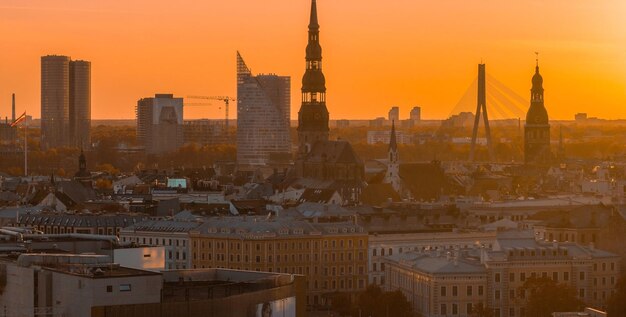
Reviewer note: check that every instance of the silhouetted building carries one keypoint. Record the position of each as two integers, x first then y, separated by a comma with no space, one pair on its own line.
377,123
80,104
342,124
8,134
416,114
160,123
393,166
333,162
582,116
205,132
537,127
263,115
83,176
394,114
65,102
55,101
460,120
313,115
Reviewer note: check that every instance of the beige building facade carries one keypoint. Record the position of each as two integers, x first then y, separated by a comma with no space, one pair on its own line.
443,283
332,256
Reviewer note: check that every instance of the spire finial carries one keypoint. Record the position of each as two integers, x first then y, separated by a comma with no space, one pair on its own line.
537,61
313,20
393,144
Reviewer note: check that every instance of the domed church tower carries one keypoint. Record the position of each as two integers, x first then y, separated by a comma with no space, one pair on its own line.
537,127
313,115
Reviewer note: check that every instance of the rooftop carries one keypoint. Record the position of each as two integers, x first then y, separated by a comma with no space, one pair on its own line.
85,265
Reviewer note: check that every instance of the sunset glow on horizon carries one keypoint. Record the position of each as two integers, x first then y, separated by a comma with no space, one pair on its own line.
377,54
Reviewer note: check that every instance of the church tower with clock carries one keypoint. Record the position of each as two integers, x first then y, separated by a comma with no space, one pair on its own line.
537,127
323,164
313,116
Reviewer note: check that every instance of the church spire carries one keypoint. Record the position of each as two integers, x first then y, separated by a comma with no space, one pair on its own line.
313,115
393,144
82,162
537,127
313,20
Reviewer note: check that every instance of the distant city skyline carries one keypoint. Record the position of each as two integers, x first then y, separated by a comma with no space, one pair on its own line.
404,53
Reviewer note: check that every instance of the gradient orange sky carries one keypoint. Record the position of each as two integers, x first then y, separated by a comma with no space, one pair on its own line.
376,53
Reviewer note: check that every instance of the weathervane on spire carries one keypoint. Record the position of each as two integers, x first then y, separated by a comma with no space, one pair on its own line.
537,58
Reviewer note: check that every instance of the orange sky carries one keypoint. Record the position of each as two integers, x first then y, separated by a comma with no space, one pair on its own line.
376,53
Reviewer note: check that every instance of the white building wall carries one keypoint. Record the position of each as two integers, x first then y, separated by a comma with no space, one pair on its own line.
176,246
74,296
17,296
147,258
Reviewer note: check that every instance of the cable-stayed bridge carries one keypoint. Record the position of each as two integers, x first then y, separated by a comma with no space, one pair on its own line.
502,101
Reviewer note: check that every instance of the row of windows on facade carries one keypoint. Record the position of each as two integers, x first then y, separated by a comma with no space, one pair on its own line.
334,270
555,275
454,309
277,245
62,230
150,241
423,248
563,237
469,291
534,253
179,255
341,283
521,293
301,271
302,257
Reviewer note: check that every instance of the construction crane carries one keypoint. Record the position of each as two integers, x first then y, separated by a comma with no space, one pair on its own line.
226,101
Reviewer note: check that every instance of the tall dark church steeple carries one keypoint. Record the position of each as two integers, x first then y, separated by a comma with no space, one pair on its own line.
313,115
537,127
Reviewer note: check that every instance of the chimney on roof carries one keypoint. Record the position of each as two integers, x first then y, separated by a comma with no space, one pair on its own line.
592,246
13,107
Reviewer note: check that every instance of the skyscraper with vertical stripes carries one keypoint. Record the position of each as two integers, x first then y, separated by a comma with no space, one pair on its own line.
65,102
263,116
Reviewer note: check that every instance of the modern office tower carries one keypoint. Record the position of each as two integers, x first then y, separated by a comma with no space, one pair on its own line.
394,114
55,101
80,103
160,123
416,114
537,127
65,102
263,116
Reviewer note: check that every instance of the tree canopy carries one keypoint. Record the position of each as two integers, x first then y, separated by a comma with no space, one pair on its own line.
546,296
